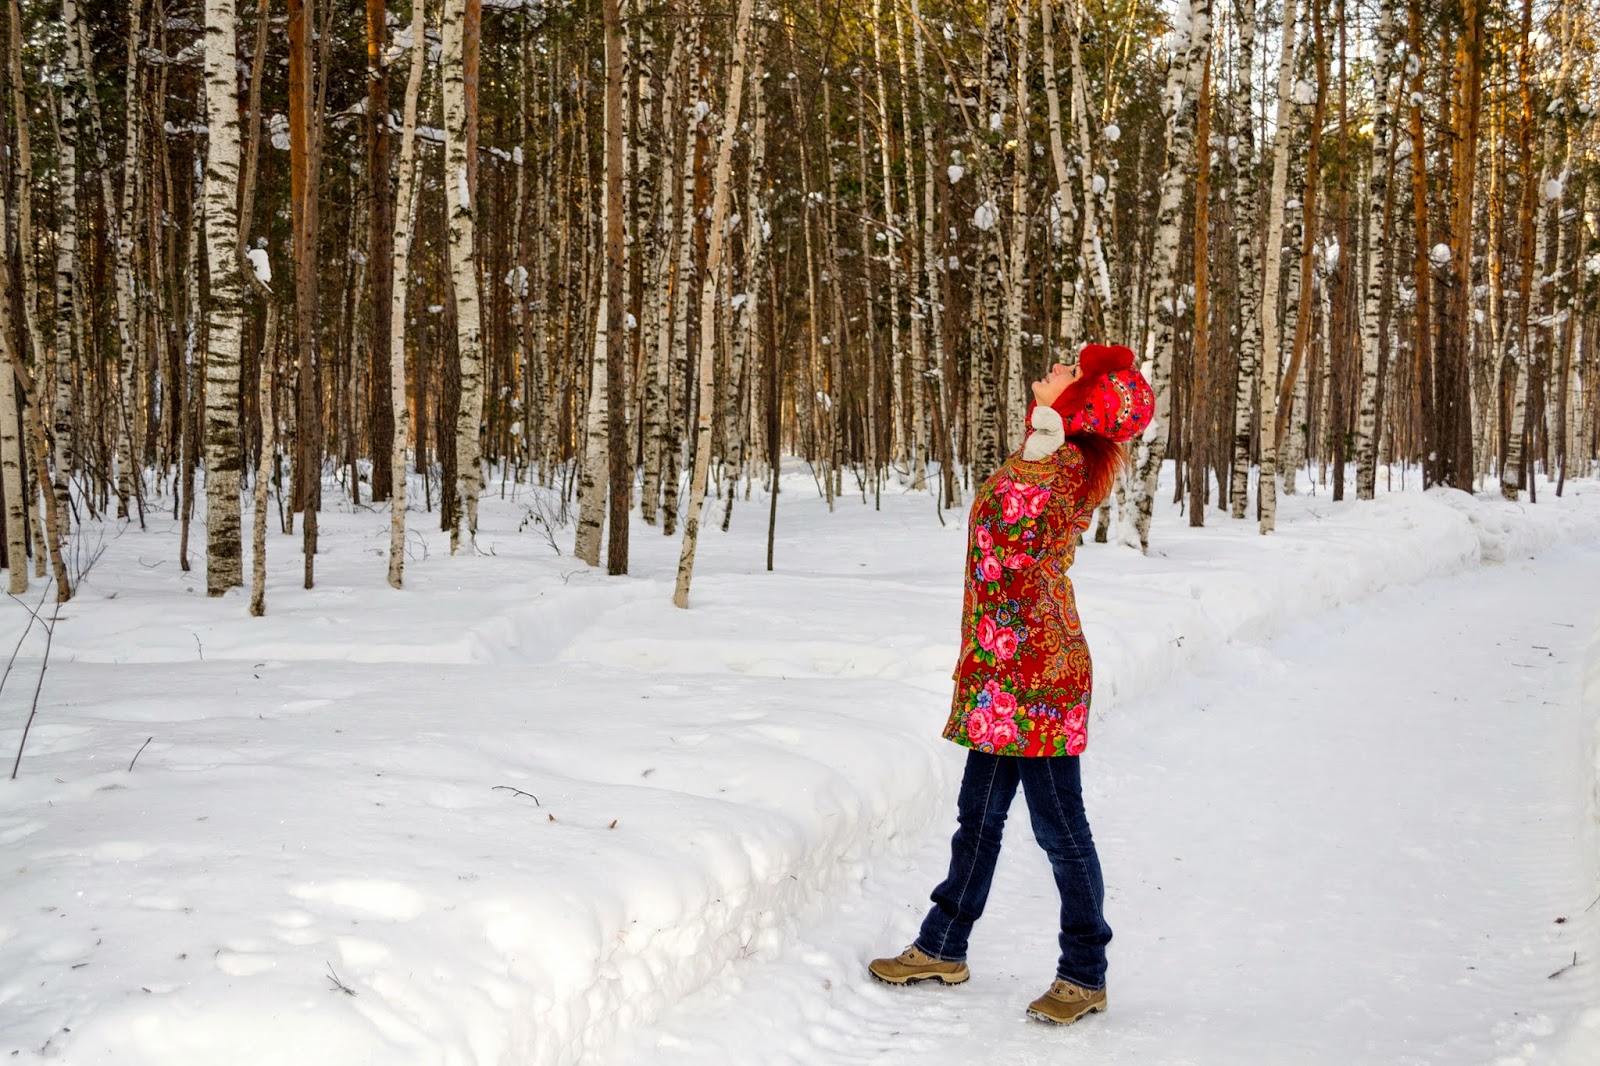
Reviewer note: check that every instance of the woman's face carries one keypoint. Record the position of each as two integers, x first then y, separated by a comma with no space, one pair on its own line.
1054,383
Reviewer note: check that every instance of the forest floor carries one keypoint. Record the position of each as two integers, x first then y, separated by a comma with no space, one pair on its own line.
524,813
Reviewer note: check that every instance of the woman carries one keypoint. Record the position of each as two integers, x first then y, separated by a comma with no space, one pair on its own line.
1022,684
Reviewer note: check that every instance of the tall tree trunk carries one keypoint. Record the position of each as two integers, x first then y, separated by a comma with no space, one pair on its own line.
1450,449
225,308
721,180
661,286
1246,206
1271,335
380,413
72,90
404,223
1182,96
620,490
303,165
1378,164
1200,354
459,37
11,446
748,316
1094,253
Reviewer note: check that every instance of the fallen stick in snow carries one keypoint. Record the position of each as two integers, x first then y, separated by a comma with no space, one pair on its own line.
138,753
1565,968
340,985
519,792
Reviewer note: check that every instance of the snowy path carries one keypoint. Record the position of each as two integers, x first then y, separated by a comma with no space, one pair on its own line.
1352,844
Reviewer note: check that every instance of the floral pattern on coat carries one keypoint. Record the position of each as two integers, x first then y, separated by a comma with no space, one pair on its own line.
1023,682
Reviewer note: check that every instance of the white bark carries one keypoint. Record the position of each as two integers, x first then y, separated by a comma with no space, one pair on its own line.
11,480
592,481
400,243
1247,208
463,274
1182,97
1016,276
1271,338
708,304
225,309
1094,257
1376,238
66,269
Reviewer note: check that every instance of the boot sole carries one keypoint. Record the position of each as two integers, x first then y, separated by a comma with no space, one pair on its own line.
1042,1017
917,979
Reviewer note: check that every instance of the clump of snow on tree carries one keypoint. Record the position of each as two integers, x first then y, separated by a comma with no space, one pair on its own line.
986,216
1440,254
1112,133
260,264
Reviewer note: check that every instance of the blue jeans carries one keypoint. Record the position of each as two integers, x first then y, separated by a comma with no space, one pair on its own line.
1055,804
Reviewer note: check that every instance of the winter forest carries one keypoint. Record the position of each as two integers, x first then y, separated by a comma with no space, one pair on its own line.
641,251
486,486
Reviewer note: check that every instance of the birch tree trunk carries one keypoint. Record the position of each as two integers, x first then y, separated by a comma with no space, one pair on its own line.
592,482
708,296
66,269
747,326
660,288
400,247
1378,163
1246,210
1094,255
1016,274
891,229
11,448
1271,340
1071,306
1182,96
457,29
225,307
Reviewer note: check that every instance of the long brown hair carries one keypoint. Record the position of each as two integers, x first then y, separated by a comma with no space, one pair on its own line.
1104,459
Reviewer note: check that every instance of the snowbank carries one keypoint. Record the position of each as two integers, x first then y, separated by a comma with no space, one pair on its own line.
519,807
1581,1045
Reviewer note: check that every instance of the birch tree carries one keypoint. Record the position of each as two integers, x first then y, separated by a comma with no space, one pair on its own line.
1246,215
11,449
72,91
456,30
1271,340
1192,42
1378,163
720,182
226,305
404,222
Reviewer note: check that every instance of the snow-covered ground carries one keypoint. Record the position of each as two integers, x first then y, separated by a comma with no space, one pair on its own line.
528,814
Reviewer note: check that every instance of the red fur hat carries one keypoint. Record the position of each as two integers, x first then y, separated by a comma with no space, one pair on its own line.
1110,398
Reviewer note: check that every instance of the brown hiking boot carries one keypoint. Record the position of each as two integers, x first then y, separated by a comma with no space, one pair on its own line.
913,965
1064,1003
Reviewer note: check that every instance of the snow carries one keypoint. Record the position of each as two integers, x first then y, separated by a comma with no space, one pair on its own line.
1553,189
955,171
278,131
260,264
986,216
1113,132
747,794
1098,184
1440,254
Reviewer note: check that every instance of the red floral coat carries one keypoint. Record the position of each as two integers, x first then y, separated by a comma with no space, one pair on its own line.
1023,681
